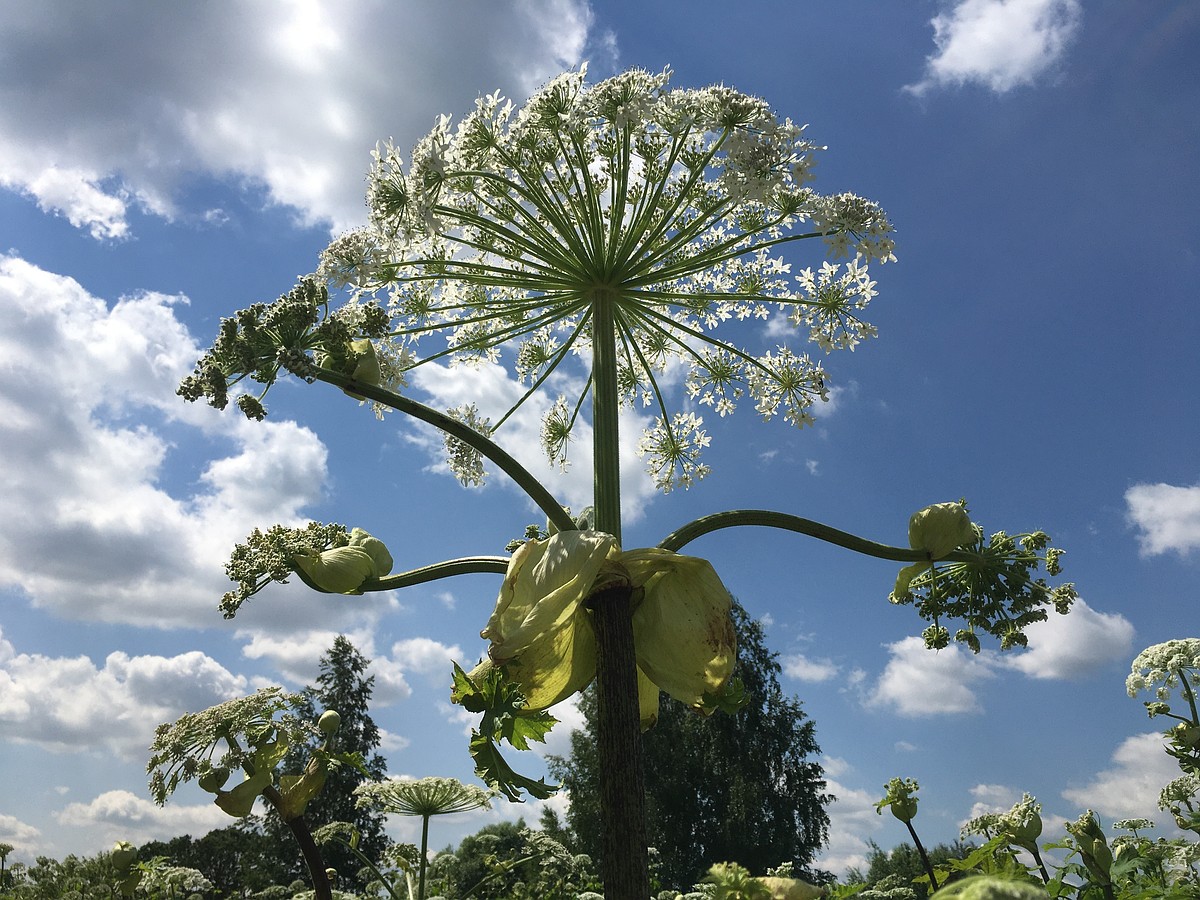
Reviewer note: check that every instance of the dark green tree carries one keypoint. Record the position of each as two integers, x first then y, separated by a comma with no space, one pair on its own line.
905,862
740,787
342,686
507,861
236,859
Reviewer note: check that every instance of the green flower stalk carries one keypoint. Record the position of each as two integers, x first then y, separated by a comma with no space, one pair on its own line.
426,798
901,799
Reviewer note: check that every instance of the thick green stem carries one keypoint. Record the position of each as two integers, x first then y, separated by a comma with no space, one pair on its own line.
619,738
489,449
606,439
764,517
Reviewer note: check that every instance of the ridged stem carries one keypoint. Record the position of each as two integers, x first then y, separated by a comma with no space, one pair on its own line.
489,449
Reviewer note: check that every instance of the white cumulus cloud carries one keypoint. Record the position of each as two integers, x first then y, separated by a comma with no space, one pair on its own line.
853,821
21,836
92,526
1130,787
921,682
65,703
112,107
1074,645
1001,44
1167,515
124,816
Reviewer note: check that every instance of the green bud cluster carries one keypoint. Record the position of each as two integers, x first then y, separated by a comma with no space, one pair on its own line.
900,798
270,555
258,342
1092,847
989,585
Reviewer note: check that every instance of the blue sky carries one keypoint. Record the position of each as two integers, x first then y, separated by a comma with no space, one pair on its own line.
162,166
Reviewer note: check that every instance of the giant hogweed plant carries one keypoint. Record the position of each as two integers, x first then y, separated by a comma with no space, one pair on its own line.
588,241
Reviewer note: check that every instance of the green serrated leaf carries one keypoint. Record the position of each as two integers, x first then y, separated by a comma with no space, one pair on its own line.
466,693
504,718
495,771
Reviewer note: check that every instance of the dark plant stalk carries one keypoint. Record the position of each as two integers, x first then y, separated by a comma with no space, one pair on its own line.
1041,865
933,884
322,890
618,720
619,742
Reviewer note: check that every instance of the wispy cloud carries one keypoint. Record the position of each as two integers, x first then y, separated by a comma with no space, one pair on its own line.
1001,44
800,667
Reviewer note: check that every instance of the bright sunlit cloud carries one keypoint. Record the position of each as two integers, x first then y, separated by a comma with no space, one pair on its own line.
1167,517
293,105
1074,645
85,458
920,682
853,821
1001,44
65,703
124,816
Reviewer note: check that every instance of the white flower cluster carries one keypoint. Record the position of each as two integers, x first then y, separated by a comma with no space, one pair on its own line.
673,453
1160,666
665,205
466,463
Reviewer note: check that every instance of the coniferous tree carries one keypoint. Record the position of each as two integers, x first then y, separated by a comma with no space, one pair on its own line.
742,788
343,686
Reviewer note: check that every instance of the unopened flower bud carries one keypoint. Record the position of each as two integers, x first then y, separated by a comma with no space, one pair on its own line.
367,368
124,855
938,530
341,570
329,722
375,548
941,528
